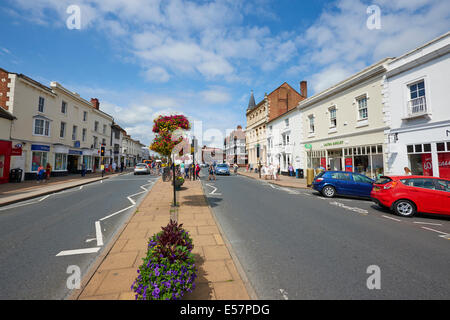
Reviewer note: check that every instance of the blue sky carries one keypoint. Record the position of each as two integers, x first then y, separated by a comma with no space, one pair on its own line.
143,58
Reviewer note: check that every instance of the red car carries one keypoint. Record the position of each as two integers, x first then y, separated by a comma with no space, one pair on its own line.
407,195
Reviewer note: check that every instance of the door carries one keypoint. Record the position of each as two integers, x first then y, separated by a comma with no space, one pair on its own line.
342,181
422,192
361,186
442,204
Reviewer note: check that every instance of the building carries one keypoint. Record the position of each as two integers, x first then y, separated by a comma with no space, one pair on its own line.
117,134
52,125
343,127
132,151
278,102
417,110
284,141
6,148
235,148
211,155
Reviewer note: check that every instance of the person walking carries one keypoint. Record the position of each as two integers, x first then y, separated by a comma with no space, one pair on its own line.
291,170
83,169
48,171
182,169
121,166
197,171
407,171
211,173
40,174
114,167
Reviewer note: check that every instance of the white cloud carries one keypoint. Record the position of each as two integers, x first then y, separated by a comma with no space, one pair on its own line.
157,74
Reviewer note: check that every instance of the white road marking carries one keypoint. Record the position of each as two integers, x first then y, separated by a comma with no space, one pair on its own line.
78,251
429,223
284,294
42,199
354,209
435,230
387,217
214,191
90,240
115,213
98,233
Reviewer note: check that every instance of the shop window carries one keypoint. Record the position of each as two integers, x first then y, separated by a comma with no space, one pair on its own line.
380,149
60,162
421,164
440,146
444,164
410,149
38,159
427,147
418,148
374,149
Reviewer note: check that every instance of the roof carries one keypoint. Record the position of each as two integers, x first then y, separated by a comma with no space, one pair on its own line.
251,102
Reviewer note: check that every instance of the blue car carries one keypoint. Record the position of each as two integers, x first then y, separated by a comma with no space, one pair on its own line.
332,183
222,169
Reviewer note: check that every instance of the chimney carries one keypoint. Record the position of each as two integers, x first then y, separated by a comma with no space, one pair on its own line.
95,103
304,89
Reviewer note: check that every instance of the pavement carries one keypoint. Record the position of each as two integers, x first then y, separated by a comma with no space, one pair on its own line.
283,181
15,192
220,276
296,244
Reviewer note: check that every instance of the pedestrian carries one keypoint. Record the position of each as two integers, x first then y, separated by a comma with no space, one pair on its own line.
182,169
102,168
114,167
106,167
40,174
83,169
48,171
197,171
186,173
211,173
407,171
121,166
328,168
291,170
235,168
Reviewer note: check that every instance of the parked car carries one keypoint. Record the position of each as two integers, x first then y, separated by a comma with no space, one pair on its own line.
332,183
222,169
407,195
141,168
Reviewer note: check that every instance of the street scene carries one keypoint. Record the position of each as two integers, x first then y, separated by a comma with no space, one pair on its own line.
224,151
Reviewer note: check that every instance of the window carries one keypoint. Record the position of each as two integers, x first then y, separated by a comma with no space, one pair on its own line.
104,141
96,126
62,131
361,178
340,176
85,115
64,107
311,124
442,185
95,142
417,102
104,129
333,121
84,135
41,104
286,122
38,159
363,112
417,90
41,127
74,133
60,162
420,183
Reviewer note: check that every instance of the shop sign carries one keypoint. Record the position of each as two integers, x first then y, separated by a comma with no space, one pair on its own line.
444,165
427,165
335,143
349,164
76,144
75,152
308,146
16,151
40,147
323,162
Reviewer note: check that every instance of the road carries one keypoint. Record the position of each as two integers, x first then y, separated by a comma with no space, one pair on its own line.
295,244
41,238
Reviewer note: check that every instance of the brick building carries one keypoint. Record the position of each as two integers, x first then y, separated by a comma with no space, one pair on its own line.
281,100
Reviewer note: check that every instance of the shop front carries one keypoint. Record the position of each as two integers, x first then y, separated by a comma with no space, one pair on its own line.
88,160
60,160
341,155
5,158
74,159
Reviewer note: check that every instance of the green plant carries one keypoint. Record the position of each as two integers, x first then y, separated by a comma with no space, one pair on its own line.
168,271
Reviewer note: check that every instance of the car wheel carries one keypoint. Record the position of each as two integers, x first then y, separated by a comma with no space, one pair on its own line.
405,208
329,191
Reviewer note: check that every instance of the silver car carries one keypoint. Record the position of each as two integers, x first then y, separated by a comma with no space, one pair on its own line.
141,168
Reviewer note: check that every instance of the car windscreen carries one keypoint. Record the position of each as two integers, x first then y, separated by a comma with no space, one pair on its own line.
141,165
222,166
383,180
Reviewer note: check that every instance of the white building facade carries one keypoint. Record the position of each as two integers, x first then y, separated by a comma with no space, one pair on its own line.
284,141
418,110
